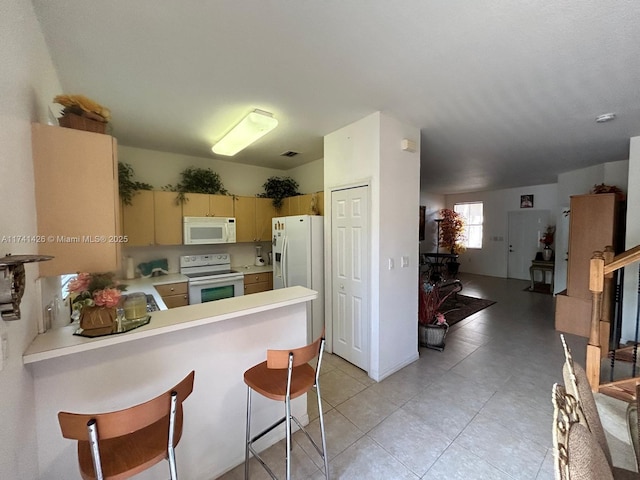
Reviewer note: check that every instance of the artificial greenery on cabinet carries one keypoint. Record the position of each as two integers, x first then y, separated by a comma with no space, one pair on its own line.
127,186
278,188
197,180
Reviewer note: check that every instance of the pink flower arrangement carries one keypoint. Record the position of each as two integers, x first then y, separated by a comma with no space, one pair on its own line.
95,289
440,320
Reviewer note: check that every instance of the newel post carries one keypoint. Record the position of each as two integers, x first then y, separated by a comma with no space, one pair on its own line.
594,351
606,310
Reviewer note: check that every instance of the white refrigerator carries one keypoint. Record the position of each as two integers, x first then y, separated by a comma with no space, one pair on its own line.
298,259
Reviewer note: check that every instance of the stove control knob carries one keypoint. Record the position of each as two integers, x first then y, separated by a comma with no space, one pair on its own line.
193,259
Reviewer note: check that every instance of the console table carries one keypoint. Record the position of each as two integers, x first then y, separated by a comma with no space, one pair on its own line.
542,266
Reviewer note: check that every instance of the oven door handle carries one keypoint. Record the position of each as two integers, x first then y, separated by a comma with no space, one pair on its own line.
213,281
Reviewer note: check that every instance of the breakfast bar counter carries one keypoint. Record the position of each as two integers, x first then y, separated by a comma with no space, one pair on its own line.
219,340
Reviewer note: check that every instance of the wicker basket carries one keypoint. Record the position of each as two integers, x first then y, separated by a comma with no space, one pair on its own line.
78,122
432,336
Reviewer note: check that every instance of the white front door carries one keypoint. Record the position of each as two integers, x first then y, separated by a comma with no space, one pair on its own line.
350,274
525,230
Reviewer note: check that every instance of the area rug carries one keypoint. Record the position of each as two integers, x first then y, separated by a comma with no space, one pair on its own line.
460,307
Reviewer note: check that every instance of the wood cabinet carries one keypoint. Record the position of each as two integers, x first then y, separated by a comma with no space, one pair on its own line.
167,218
594,224
137,219
258,282
174,294
77,205
153,218
204,205
253,219
303,205
265,211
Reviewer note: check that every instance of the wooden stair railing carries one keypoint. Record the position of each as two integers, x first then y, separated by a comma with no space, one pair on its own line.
603,264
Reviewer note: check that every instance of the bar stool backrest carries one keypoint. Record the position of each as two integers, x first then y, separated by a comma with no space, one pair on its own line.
128,422
277,359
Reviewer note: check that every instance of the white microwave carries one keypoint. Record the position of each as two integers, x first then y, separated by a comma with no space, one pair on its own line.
208,230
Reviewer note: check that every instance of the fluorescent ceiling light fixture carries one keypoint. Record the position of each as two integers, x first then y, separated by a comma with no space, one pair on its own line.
252,127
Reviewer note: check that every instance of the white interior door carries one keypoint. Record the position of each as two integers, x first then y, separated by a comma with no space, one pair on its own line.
525,230
350,274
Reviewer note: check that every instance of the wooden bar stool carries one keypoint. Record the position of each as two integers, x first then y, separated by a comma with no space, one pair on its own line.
285,375
120,444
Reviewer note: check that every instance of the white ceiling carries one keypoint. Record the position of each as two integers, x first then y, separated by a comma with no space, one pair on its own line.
505,93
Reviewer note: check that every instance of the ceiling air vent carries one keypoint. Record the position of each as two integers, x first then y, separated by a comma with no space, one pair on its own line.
289,153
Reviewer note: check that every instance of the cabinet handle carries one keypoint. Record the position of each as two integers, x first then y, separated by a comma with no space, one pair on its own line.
172,289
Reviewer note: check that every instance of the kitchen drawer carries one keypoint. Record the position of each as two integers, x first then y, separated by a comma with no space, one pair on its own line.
250,278
168,289
258,282
173,301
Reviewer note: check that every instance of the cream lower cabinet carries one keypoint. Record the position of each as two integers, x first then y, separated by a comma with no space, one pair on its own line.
77,205
205,205
153,218
258,282
253,219
174,294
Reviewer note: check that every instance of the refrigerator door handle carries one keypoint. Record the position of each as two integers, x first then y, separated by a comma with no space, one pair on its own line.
285,244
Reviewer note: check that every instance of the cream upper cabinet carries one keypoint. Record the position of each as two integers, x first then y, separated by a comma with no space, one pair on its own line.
221,206
167,218
253,219
195,205
153,218
137,219
205,205
265,211
245,212
302,205
77,205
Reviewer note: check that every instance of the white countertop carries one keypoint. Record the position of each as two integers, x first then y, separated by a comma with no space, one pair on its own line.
251,269
61,341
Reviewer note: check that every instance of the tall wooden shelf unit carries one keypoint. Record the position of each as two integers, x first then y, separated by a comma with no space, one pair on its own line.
595,222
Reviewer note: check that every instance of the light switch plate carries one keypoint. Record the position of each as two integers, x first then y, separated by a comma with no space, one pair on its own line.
391,265
404,261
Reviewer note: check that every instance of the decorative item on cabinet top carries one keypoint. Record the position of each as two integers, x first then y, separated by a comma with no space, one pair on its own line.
82,113
12,282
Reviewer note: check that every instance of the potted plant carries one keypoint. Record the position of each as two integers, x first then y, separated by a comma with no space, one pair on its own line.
197,180
451,236
547,240
432,324
278,188
127,186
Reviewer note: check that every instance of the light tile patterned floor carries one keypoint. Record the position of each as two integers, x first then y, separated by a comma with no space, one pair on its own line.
481,409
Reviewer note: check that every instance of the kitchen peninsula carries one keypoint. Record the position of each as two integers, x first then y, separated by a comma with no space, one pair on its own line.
219,340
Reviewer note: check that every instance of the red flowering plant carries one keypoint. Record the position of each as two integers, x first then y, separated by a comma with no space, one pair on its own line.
547,236
432,297
95,289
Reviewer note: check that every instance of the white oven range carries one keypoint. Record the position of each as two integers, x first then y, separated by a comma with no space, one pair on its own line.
210,277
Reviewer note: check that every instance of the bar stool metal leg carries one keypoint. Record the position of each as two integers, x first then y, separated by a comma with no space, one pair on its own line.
248,435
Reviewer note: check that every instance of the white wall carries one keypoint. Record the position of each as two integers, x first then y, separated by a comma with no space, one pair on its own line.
367,152
492,258
632,239
163,168
28,83
310,176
